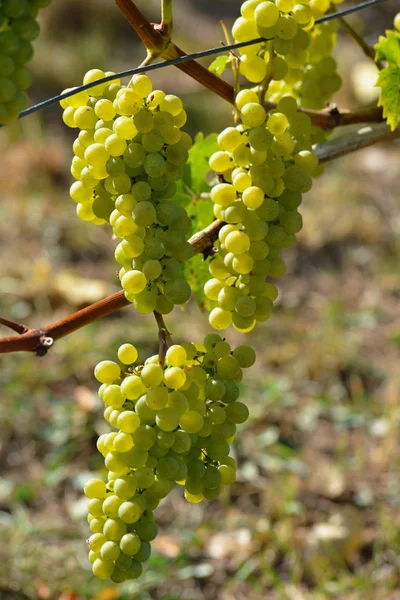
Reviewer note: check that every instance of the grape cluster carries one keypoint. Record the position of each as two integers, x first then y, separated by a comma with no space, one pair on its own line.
265,164
174,424
312,73
18,28
296,59
128,156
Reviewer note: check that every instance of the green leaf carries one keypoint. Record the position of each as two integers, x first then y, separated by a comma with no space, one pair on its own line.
388,50
200,210
389,98
197,273
218,65
199,155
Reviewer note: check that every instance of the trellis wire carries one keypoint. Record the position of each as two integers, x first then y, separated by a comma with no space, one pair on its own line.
182,59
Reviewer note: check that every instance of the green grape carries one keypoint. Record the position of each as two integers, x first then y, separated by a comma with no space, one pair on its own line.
237,412
95,488
144,552
128,512
220,318
176,356
125,487
191,421
277,123
114,529
147,530
130,544
177,291
245,306
103,569
110,551
107,371
266,14
167,419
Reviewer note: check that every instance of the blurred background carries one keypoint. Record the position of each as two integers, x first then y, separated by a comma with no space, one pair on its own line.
315,511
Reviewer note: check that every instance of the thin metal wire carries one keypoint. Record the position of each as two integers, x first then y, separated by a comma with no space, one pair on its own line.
183,59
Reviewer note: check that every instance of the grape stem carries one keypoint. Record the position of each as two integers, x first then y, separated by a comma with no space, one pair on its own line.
166,18
164,337
39,340
263,87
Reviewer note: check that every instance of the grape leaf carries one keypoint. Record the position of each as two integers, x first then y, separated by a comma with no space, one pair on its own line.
199,155
388,50
218,65
200,210
389,82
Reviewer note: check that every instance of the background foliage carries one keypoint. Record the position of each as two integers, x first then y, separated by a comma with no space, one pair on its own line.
315,511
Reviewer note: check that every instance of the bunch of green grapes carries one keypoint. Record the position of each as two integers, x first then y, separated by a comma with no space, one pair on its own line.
173,424
18,28
265,164
128,155
297,58
311,75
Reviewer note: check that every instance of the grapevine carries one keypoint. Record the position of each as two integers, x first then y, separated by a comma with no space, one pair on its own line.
174,415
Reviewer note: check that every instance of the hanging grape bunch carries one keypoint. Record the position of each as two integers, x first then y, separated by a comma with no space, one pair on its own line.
173,425
18,29
128,156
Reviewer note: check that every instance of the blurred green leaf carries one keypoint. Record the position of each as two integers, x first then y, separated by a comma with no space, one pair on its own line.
199,209
24,493
388,49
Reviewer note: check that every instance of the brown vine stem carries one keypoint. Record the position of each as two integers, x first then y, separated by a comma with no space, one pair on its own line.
152,39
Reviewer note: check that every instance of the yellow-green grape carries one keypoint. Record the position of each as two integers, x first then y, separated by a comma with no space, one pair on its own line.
107,371
176,356
127,354
95,488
